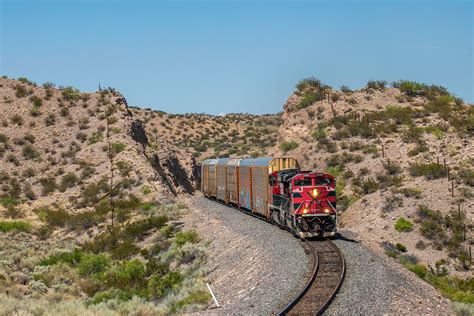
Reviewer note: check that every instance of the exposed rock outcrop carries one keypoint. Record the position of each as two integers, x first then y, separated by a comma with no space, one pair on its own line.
171,172
137,132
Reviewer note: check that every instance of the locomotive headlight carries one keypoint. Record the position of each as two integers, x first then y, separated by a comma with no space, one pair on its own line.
315,192
326,210
305,211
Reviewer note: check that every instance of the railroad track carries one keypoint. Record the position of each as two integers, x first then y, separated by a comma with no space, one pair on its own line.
326,279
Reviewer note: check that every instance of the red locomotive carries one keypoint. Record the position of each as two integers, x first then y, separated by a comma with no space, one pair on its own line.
276,189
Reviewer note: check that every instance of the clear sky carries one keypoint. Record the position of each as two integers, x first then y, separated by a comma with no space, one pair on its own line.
235,56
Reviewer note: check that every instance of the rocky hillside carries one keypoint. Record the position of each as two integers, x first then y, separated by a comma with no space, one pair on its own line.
204,136
77,169
404,161
88,212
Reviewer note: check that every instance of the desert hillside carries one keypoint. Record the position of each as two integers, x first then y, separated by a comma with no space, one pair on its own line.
92,189
404,161
88,207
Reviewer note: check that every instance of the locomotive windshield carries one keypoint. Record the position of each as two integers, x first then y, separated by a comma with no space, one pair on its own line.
307,181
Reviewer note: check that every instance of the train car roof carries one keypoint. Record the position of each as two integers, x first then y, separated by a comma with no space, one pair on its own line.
234,161
263,161
222,161
210,161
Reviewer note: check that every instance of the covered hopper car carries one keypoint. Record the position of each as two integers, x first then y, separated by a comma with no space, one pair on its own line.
275,189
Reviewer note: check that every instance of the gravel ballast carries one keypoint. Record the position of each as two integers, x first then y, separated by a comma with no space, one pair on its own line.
374,285
254,267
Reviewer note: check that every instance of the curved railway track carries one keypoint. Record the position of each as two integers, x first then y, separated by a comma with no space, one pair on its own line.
326,279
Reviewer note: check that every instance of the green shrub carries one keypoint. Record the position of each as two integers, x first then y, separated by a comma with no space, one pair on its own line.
29,152
196,297
401,247
50,119
118,147
7,226
319,134
419,269
403,225
37,101
145,190
92,264
72,258
9,201
288,145
411,192
129,275
48,185
431,171
69,180
3,138
419,148
187,236
159,286
54,217
17,119
70,94
392,167
21,91
309,98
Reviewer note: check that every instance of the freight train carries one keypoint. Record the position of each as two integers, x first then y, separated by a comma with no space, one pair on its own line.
275,189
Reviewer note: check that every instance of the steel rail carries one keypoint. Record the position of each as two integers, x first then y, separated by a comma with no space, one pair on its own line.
305,295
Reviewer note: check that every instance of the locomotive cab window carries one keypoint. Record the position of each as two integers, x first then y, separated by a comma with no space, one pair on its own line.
303,182
323,181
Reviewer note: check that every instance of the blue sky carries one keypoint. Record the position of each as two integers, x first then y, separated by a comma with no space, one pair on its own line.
235,56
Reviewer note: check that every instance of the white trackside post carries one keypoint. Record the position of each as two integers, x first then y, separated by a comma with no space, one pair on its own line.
212,294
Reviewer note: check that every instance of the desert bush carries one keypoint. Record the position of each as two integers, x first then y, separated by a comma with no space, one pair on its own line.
8,226
430,171
335,97
186,236
403,225
21,91
319,134
3,138
145,189
345,89
401,247
29,152
64,112
28,191
412,135
70,94
376,85
391,203
466,175
92,264
69,180
37,101
48,185
392,167
12,158
420,147
288,145
53,217
117,147
17,119
29,138
411,192
50,119
82,137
